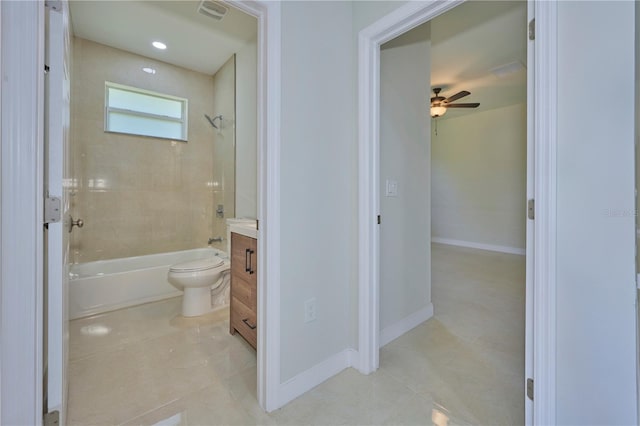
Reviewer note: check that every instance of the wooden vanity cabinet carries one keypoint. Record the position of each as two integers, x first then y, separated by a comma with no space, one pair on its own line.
244,287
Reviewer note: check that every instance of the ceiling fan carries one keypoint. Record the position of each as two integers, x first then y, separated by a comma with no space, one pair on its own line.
439,104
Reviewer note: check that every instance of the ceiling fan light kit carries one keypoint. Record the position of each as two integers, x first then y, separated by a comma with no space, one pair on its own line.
438,111
440,104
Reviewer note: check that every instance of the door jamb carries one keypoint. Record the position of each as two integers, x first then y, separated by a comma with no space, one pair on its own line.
268,14
21,224
544,253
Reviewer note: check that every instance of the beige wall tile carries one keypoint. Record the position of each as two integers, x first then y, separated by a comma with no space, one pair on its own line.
224,102
140,195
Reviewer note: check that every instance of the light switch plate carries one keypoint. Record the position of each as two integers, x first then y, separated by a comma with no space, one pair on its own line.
391,188
310,310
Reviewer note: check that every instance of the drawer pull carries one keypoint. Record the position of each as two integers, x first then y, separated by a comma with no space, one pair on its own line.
246,321
247,260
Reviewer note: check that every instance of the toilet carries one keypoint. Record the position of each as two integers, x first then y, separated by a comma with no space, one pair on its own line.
205,284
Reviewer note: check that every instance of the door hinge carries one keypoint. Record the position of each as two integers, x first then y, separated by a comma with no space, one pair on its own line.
52,418
530,389
53,4
532,29
531,209
52,210
379,220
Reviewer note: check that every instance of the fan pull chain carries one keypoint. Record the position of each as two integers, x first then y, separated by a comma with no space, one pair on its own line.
436,120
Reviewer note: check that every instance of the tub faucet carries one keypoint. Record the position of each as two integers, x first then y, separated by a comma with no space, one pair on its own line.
215,240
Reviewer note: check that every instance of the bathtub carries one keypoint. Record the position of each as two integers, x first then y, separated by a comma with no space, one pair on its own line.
106,285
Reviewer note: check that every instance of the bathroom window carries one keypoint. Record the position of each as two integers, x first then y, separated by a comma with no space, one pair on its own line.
141,112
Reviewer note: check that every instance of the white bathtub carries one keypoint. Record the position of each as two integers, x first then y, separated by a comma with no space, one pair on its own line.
106,285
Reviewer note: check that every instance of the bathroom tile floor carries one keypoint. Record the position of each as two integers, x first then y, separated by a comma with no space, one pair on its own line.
147,365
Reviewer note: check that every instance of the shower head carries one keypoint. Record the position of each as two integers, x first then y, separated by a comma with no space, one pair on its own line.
212,121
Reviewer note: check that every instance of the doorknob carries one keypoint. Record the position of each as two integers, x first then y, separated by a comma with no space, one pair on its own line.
79,223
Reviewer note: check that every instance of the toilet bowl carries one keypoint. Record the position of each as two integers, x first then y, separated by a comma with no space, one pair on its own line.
203,282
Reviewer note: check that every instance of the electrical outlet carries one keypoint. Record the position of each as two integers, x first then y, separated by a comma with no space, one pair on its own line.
310,310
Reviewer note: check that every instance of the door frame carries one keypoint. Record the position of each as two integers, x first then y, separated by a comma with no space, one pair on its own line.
268,14
22,30
21,204
545,131
56,281
542,314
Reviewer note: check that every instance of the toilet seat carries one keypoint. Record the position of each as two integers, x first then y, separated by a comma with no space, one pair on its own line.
197,265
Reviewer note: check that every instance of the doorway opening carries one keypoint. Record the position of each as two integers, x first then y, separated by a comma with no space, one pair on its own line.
469,189
124,66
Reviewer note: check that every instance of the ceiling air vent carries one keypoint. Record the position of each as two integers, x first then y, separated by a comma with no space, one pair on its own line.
212,9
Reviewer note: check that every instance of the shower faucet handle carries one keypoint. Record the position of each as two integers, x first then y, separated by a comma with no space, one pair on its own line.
79,223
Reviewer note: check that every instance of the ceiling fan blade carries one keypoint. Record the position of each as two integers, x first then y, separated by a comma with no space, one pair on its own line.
457,96
473,105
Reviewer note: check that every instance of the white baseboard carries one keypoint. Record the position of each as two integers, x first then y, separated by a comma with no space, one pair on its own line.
309,379
396,330
481,246
354,358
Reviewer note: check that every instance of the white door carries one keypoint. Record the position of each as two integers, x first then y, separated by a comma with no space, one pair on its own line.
528,353
56,235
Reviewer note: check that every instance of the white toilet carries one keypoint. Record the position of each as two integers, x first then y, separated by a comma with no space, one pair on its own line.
205,284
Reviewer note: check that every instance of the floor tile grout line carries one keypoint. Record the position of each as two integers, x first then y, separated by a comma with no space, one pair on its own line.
132,419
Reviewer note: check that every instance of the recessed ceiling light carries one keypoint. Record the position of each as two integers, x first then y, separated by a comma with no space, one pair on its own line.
149,70
159,45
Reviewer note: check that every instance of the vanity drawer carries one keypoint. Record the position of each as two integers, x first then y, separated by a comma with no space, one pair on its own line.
242,321
244,257
245,292
244,281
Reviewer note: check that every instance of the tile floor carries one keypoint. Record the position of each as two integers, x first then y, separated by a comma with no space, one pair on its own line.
147,365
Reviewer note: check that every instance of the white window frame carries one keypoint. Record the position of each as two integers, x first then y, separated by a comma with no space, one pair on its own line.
108,109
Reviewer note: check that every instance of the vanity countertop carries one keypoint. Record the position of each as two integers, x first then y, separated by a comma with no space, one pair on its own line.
246,229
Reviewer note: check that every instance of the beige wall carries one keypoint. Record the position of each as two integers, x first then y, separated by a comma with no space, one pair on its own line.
595,270
138,195
405,240
247,131
364,13
316,192
478,177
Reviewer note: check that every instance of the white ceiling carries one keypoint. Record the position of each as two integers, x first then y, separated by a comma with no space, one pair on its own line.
194,41
470,40
467,42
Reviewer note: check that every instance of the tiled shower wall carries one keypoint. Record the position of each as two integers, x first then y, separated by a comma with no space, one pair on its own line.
224,183
141,195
